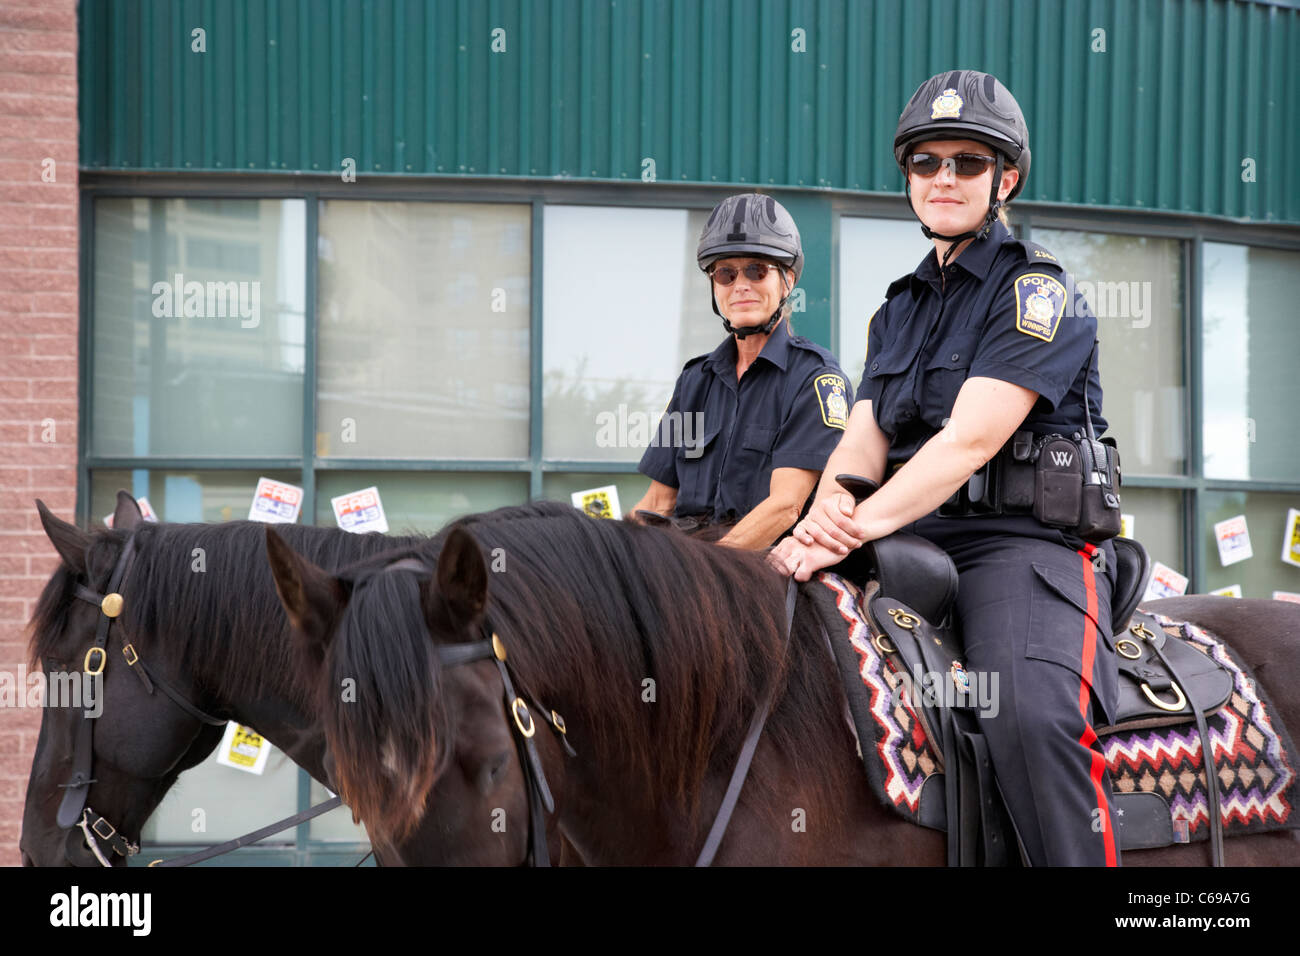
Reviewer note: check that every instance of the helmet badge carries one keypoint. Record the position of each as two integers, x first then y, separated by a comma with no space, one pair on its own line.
947,105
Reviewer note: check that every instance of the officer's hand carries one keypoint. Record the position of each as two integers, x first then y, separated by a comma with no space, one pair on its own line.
786,556
813,559
830,524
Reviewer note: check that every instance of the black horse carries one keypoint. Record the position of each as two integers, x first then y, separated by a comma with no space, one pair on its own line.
656,648
200,610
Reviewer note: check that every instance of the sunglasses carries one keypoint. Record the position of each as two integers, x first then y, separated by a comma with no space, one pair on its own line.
963,164
754,272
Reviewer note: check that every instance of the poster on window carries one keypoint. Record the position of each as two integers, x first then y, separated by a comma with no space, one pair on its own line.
1233,539
275,502
1165,582
360,511
1292,596
598,502
243,748
1232,590
1291,538
1125,525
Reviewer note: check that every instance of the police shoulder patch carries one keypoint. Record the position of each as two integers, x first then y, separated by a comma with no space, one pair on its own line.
832,397
1040,302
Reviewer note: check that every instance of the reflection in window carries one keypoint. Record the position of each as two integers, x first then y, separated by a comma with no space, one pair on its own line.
1157,523
625,306
1134,286
1251,390
873,253
1266,514
213,366
186,495
424,314
422,502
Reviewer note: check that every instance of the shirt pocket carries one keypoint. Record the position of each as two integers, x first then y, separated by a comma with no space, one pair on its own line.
945,375
697,473
881,381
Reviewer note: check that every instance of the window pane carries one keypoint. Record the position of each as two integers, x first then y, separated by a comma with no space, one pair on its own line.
1157,523
625,306
186,495
873,253
1134,285
1265,572
424,319
559,486
1252,340
422,502
233,802
214,365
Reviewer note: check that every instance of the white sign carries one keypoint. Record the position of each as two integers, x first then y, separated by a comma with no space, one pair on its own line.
1291,538
1232,590
598,502
275,502
244,749
1291,596
1165,582
1125,525
1233,540
360,511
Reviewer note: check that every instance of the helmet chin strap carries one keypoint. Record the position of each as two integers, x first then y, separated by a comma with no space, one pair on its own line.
978,233
748,330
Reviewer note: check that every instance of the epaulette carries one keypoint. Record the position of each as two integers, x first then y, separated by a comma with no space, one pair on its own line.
1036,253
898,285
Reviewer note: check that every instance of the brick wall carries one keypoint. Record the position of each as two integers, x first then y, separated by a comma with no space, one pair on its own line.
38,340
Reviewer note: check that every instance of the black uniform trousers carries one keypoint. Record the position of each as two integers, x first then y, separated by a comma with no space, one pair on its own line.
1036,612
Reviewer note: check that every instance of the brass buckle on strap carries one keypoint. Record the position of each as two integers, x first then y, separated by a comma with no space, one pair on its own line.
883,643
103,659
1172,708
1141,630
518,707
103,836
904,620
128,651
558,723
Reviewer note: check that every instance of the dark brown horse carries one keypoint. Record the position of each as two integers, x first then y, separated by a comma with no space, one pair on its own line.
656,649
215,631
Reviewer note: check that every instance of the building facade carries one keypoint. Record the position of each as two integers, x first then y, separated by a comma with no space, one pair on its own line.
447,249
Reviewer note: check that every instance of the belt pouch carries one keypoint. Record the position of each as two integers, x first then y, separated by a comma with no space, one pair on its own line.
1016,473
1058,483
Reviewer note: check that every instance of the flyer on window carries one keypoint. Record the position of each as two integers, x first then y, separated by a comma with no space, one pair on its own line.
244,749
360,511
1125,525
1291,538
1232,590
1292,596
1165,582
275,502
598,502
1233,539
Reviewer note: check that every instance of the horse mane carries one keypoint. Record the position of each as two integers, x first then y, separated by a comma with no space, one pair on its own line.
183,615
604,613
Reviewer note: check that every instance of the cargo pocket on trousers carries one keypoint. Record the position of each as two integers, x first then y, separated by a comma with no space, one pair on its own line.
1057,612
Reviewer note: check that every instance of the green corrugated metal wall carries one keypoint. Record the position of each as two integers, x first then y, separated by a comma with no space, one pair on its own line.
710,90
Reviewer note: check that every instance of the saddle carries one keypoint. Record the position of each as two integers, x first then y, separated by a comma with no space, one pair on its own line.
908,608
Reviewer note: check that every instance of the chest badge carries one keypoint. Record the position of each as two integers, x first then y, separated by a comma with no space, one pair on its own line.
1040,303
947,105
832,397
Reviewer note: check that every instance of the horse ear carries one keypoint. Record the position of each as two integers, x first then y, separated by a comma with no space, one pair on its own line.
312,598
127,514
462,580
69,540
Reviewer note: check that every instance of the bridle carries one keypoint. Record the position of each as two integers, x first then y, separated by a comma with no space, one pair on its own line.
73,809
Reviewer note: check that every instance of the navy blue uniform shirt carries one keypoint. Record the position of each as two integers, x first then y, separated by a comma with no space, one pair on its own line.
720,438
1007,310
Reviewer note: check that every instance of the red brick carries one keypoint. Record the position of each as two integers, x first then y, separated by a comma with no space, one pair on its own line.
16,345
55,388
55,87
14,565
15,434
62,339
57,17
58,303
38,409
11,302
24,62
20,587
42,368
38,103
14,388
37,41
33,280
11,610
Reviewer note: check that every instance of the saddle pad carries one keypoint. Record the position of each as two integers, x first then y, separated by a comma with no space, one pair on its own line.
1253,753
1253,756
886,724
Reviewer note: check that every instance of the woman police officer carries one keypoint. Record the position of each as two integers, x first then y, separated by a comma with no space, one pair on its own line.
980,343
768,407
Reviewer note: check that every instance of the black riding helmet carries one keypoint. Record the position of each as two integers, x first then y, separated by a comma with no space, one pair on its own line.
754,226
966,104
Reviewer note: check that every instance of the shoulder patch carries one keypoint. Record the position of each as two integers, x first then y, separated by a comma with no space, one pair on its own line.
1040,302
832,391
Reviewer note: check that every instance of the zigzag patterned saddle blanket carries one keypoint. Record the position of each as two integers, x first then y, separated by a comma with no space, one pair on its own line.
1253,755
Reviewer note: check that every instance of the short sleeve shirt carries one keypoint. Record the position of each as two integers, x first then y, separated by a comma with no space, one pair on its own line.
720,439
1005,309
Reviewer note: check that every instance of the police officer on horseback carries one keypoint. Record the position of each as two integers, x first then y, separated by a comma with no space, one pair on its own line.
770,405
978,412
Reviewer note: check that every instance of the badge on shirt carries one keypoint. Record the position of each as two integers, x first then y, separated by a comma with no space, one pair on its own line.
832,395
1040,302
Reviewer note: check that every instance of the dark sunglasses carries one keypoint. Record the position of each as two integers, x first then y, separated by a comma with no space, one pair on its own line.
754,272
964,164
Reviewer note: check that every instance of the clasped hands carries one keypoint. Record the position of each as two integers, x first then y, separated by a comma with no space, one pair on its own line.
821,539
